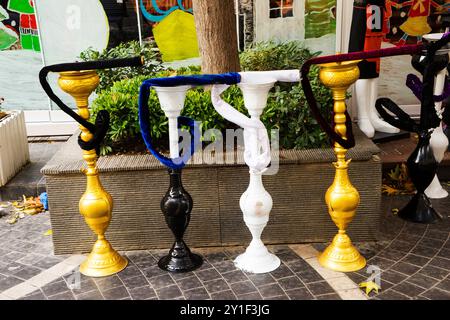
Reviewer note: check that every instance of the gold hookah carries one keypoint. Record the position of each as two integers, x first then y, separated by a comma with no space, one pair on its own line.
96,204
342,198
79,80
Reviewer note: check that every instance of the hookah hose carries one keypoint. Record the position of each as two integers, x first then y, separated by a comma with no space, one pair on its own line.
428,67
350,141
144,114
101,126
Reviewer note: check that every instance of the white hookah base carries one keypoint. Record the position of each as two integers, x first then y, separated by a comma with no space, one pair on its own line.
261,261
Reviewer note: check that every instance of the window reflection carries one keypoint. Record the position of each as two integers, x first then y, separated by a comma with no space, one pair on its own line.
281,8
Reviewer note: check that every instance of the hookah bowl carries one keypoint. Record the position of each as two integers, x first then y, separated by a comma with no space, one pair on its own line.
342,198
177,206
96,204
256,202
422,166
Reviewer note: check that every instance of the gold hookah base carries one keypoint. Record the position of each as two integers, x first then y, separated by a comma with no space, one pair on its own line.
103,261
341,255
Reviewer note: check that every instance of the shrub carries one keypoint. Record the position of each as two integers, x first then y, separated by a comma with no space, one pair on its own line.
108,77
264,56
286,109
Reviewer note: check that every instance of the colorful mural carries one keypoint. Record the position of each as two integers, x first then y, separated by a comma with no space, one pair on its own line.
409,20
29,37
173,27
320,18
8,36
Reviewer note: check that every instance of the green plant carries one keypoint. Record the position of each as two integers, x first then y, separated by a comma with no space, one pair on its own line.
286,109
264,56
149,50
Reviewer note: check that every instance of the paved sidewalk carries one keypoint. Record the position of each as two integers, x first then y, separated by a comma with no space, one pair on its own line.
414,259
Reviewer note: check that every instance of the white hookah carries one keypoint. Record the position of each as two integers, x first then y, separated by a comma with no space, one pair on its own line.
439,141
255,202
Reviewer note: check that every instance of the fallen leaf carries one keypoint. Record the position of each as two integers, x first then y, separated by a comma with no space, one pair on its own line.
395,211
48,232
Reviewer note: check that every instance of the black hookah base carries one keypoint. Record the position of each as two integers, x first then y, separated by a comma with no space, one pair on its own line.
420,210
180,259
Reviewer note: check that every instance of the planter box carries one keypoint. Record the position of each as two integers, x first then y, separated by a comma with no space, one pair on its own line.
138,182
14,153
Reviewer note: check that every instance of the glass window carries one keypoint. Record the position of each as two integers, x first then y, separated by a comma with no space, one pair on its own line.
281,8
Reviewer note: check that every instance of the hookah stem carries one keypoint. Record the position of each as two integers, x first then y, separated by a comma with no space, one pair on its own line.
350,141
82,66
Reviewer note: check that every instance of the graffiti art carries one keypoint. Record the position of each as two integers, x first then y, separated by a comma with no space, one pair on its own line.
18,18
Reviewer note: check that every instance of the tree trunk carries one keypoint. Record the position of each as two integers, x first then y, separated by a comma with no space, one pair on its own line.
215,21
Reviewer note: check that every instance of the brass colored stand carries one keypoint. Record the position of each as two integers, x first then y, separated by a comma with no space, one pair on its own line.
342,198
96,204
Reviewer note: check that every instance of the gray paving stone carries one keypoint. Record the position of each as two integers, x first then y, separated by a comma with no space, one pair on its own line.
54,288
35,295
405,268
444,285
170,292
225,266
90,295
437,294
244,287
261,279
208,274
108,282
135,282
332,296
425,251
27,272
161,281
216,285
309,276
289,283
197,294
129,272
234,276
116,293
320,288
441,263
393,276
281,272
299,294
434,272
142,293
422,280
250,296
392,295
188,283
224,295
271,290
408,289
153,271
66,295
416,260
83,287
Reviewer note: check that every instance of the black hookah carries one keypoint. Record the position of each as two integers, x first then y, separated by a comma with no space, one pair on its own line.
177,204
421,164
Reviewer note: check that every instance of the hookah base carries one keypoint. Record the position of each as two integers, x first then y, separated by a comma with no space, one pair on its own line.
341,255
257,262
180,259
419,210
103,261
